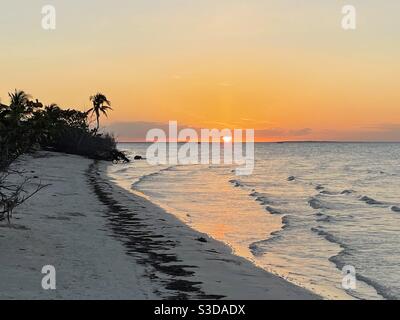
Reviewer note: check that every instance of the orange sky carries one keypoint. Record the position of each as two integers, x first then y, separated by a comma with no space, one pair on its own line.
284,68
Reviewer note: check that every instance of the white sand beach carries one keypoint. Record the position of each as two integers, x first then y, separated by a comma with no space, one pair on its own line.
107,243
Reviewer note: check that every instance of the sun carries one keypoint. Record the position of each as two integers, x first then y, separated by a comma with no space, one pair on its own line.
227,139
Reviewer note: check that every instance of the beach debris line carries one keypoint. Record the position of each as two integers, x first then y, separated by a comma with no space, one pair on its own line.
163,265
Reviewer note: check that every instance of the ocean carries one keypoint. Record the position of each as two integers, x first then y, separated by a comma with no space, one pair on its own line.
308,210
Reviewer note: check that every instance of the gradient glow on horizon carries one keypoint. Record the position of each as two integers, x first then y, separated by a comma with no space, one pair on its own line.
285,68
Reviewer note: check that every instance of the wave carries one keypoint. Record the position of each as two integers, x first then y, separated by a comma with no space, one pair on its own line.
322,202
256,248
150,175
318,204
371,201
322,190
272,210
395,209
329,193
340,262
261,198
324,217
347,192
385,292
328,236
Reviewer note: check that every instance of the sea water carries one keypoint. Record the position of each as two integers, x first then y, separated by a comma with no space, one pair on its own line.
308,210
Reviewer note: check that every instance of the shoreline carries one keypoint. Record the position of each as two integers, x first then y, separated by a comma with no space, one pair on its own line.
107,243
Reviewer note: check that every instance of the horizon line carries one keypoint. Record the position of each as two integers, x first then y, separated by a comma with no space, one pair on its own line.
279,142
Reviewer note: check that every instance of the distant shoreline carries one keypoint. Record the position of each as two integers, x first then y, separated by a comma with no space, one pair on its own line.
284,142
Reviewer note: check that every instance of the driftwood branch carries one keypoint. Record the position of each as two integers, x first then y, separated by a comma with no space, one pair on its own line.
13,195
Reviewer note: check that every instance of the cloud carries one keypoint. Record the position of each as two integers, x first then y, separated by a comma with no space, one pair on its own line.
282,133
136,131
388,127
374,132
299,132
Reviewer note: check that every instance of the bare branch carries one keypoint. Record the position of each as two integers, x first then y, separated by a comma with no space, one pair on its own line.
14,194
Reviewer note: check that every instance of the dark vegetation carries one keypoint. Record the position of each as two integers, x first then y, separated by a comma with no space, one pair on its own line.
27,125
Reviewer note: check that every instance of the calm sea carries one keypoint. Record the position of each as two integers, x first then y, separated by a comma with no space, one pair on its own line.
307,210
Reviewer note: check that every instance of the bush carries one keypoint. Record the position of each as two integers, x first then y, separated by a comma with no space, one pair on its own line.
80,142
25,123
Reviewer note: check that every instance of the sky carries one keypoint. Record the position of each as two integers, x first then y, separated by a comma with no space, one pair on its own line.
284,68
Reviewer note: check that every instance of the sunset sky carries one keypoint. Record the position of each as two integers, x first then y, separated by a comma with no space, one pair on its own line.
285,68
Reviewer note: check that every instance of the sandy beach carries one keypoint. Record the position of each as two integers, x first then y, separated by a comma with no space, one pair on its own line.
107,243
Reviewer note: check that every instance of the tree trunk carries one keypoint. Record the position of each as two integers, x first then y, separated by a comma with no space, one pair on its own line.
98,124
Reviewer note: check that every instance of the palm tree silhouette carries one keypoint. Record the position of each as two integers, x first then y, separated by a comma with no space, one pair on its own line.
18,105
18,98
100,104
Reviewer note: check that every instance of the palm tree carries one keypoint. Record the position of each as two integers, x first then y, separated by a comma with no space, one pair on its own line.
18,98
18,105
100,104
